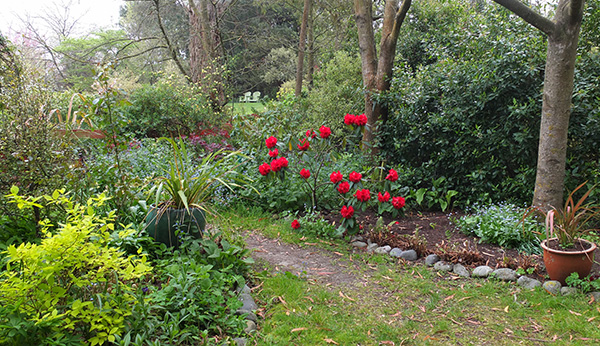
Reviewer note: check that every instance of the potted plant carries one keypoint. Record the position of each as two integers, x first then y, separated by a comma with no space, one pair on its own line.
185,194
565,251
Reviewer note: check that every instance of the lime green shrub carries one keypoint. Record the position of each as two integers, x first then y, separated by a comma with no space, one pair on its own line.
72,283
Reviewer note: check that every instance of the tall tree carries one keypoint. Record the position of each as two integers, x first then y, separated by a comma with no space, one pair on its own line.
302,46
563,36
377,71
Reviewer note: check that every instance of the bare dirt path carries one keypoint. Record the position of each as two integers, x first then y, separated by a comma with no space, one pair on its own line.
325,267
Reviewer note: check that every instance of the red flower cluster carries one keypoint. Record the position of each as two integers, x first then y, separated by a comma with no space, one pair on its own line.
383,198
336,177
295,224
274,153
271,142
355,177
264,169
278,164
304,144
398,202
305,173
310,134
392,175
324,132
347,212
362,195
358,120
344,187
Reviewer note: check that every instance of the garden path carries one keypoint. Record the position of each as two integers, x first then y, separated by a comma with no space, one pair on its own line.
305,260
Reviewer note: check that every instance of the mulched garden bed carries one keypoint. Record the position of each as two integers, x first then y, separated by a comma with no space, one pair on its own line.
437,234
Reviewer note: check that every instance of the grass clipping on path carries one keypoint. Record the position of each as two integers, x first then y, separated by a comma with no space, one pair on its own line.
407,304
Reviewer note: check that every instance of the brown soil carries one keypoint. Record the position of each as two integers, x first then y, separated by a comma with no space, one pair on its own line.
437,233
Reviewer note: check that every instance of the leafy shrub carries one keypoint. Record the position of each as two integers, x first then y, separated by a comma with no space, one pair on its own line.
471,114
73,282
503,225
194,297
166,110
312,223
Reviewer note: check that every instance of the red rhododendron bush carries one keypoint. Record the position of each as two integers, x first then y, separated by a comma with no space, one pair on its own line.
312,158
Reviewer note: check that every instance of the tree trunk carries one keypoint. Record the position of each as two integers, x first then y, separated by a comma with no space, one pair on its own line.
556,108
206,50
302,47
563,35
377,72
311,52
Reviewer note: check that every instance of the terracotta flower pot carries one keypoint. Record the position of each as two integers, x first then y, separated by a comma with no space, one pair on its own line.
560,263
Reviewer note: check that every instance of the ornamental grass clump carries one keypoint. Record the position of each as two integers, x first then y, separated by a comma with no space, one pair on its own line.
571,222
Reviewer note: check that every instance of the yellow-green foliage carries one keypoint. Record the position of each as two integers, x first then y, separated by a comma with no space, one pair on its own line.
73,279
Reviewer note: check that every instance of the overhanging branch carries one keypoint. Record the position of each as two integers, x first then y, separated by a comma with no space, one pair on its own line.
529,15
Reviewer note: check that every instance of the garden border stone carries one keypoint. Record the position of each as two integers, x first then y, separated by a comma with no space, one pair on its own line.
504,274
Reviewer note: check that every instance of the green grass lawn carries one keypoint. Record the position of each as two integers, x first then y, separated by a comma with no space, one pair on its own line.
245,108
407,304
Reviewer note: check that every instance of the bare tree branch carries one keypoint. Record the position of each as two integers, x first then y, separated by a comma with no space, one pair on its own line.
529,15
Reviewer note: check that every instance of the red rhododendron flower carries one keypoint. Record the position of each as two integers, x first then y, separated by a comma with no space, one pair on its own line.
350,119
273,153
278,164
398,202
355,177
283,162
295,224
324,132
344,187
392,175
304,144
383,198
264,169
336,177
305,173
310,134
363,195
347,212
271,142
361,120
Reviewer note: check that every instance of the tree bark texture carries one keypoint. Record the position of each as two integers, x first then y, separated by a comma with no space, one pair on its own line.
302,47
563,35
377,71
556,105
206,49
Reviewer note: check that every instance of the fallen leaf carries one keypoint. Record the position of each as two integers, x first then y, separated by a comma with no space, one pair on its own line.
422,308
387,343
591,318
338,253
282,301
449,297
506,309
387,278
397,314
309,298
324,273
298,330
330,341
464,298
460,324
575,313
345,296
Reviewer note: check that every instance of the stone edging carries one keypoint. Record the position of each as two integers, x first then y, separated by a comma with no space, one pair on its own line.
503,274
248,308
